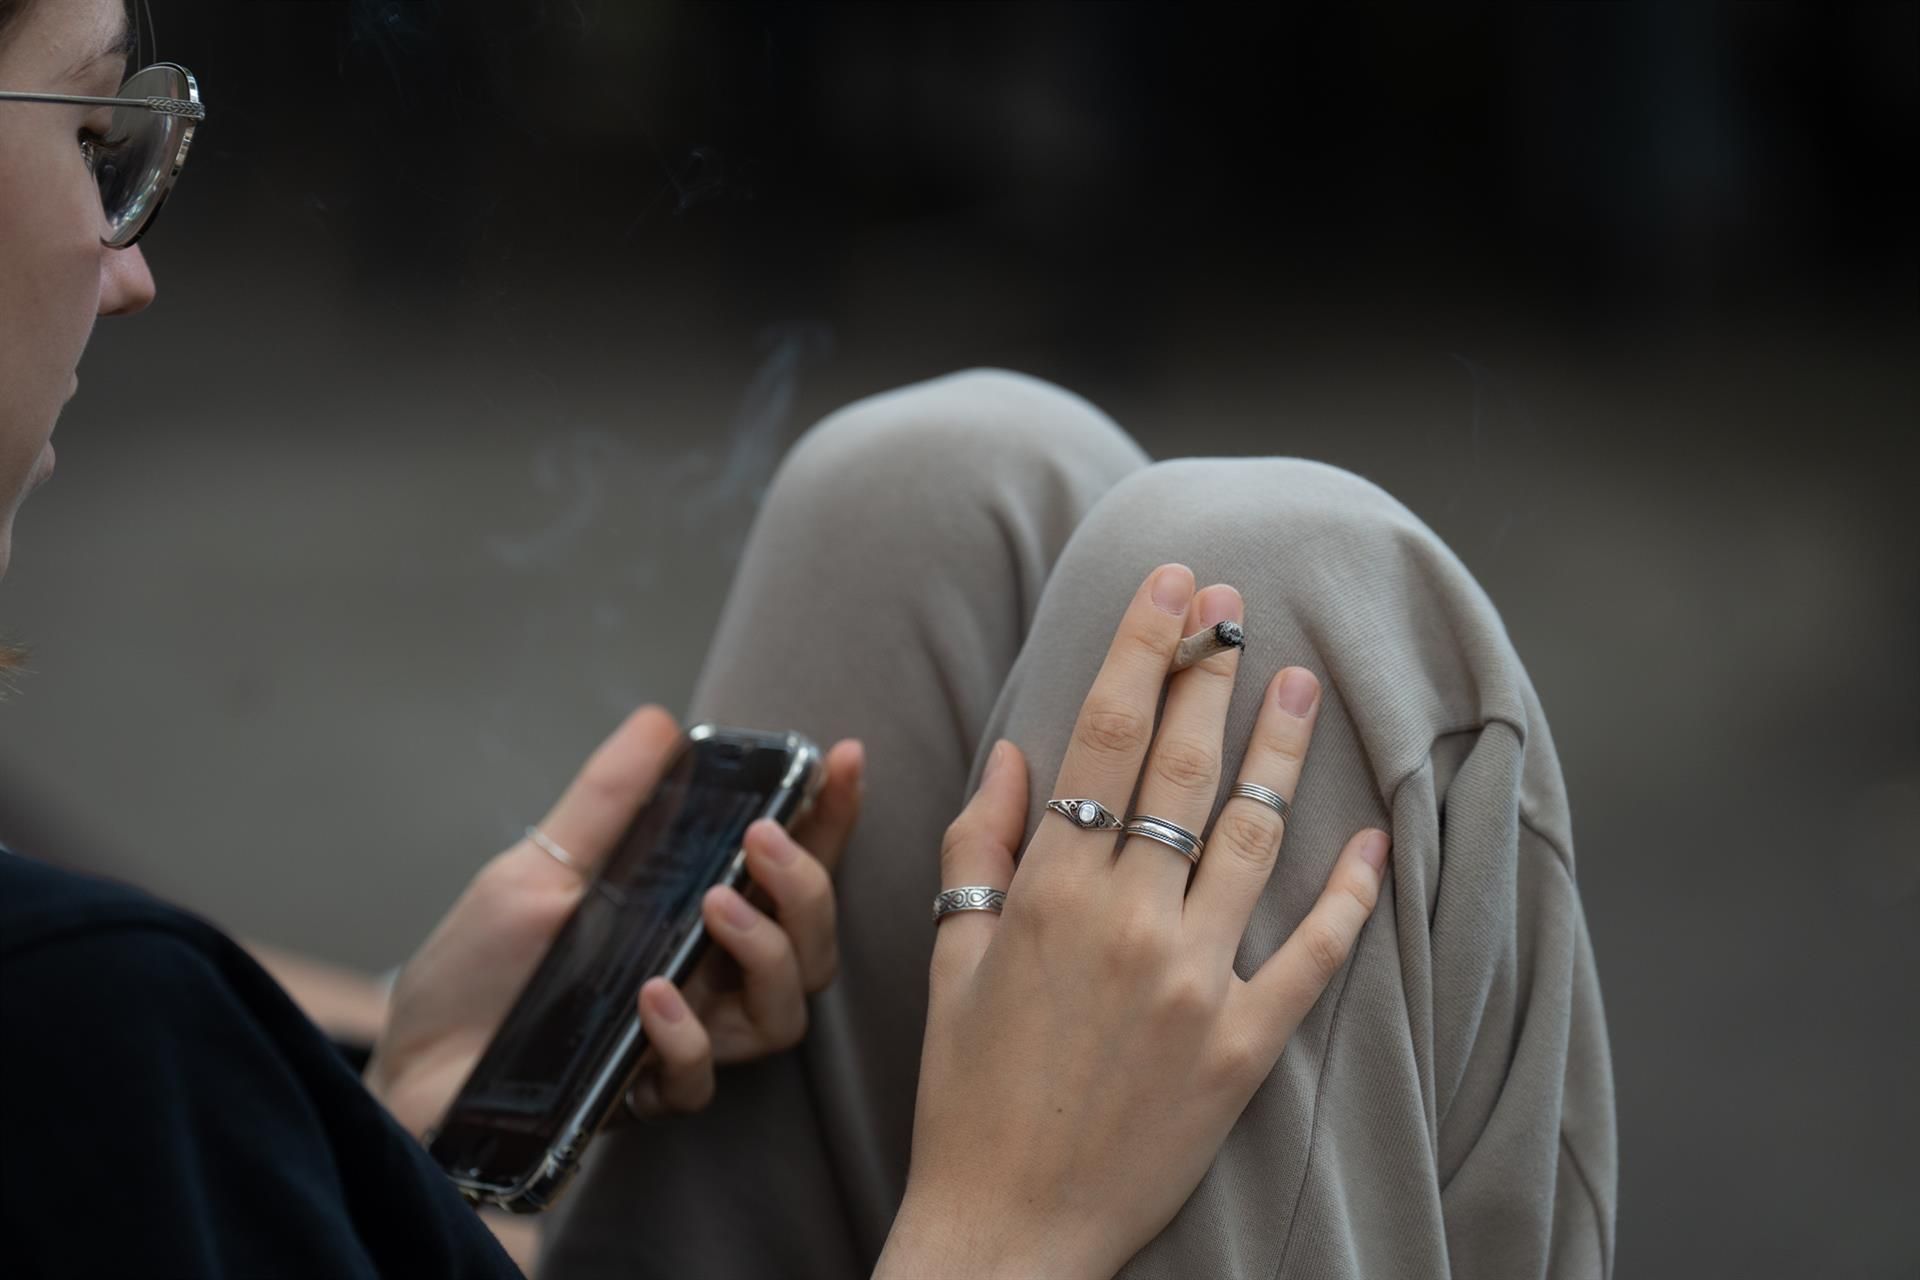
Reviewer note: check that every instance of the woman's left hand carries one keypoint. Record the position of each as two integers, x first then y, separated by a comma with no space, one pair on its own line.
748,997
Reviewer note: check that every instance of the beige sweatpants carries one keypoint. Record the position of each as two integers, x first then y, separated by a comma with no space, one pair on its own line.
945,564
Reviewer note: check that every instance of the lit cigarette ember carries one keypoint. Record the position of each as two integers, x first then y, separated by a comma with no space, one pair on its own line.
1218,638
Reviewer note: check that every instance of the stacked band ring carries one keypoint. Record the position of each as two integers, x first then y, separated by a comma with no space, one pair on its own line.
968,897
1171,834
1267,796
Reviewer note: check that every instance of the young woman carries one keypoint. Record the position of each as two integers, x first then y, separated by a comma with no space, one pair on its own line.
1074,1083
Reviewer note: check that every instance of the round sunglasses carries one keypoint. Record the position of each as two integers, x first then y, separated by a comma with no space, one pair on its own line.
140,155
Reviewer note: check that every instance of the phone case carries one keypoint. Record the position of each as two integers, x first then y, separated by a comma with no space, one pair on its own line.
542,1187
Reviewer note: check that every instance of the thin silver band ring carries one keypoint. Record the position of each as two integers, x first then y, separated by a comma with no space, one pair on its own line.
1171,834
968,897
1266,796
549,846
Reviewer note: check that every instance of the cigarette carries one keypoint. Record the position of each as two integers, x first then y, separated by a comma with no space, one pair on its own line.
1218,638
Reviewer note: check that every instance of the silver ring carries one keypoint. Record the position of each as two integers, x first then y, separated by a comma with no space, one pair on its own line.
1088,815
1171,834
553,850
968,897
1266,796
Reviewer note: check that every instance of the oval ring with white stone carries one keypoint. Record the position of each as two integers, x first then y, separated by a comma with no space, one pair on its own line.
1088,815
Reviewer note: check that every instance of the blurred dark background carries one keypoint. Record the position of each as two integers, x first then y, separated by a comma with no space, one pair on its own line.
482,325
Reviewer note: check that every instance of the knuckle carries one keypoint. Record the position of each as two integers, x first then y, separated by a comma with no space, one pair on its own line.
1285,744
1041,904
765,955
791,1028
1238,1059
1138,940
1361,889
1250,832
1290,752
1186,999
814,898
688,1053
1142,645
959,837
1326,949
1112,730
1186,763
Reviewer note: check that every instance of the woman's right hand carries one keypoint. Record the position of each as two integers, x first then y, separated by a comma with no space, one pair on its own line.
1088,1050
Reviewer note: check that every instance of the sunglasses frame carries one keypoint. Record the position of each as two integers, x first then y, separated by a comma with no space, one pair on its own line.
189,108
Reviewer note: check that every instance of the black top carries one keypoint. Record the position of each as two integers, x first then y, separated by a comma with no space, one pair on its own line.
166,1110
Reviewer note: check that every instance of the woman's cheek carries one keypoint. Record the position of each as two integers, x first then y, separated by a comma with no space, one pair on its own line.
50,264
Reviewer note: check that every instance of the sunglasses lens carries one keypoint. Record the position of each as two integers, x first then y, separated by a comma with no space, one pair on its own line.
135,163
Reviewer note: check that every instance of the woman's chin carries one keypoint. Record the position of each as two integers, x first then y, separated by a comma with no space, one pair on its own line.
43,467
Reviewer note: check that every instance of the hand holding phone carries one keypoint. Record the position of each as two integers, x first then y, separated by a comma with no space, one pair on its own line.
458,987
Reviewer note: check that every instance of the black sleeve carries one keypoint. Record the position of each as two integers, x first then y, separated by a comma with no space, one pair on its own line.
156,1126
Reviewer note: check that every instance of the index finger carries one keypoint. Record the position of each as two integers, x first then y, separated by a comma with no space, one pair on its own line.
1110,737
603,797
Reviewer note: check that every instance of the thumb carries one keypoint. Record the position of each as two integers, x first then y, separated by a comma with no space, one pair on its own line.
978,853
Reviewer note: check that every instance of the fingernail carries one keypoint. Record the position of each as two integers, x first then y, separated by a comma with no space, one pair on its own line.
775,842
1172,588
1374,849
1297,691
668,1004
737,911
1219,603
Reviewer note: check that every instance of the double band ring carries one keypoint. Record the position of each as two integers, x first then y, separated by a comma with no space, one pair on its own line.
1266,796
968,897
1171,834
1088,815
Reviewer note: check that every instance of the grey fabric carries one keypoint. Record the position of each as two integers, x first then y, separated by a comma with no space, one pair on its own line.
945,564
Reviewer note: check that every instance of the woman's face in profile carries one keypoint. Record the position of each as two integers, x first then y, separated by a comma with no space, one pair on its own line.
55,275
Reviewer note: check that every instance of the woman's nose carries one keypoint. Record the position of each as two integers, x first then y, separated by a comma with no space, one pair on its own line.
126,285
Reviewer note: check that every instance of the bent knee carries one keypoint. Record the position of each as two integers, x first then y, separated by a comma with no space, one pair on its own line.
931,439
1291,503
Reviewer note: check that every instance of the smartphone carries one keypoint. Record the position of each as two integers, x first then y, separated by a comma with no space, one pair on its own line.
570,1046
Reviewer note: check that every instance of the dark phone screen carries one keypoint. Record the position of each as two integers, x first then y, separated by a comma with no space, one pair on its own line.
577,1003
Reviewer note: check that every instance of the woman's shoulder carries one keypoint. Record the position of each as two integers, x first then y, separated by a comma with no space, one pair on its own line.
96,960
146,1049
105,963
42,905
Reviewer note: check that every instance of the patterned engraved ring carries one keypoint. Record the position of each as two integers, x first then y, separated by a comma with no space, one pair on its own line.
968,897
